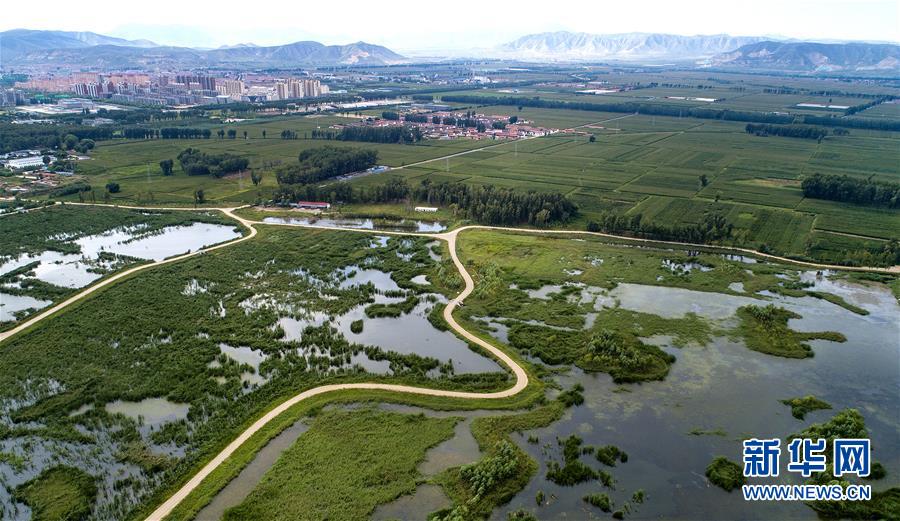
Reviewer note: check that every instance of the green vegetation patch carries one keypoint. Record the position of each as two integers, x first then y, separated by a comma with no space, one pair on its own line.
599,500
572,471
848,424
725,473
765,329
475,497
59,494
802,405
344,466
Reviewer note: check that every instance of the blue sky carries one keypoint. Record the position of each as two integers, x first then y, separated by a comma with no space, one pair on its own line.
407,25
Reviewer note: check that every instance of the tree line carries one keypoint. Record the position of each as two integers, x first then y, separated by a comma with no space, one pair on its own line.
195,162
498,206
799,131
319,164
400,134
20,137
166,133
844,188
863,106
655,109
484,204
712,227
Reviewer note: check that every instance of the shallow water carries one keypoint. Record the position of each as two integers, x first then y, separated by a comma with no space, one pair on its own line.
677,302
246,356
240,487
426,499
360,277
9,304
413,333
724,386
73,270
153,411
360,224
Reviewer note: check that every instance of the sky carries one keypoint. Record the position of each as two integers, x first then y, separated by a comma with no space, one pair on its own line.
406,25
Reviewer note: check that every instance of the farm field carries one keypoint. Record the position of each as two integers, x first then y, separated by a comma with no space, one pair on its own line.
663,169
135,164
651,165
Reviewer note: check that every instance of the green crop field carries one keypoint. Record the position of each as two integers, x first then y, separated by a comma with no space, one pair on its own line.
636,164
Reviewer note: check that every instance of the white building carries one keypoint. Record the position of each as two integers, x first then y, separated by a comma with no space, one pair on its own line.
427,209
25,162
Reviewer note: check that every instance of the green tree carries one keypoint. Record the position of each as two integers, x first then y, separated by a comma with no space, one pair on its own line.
199,197
264,133
232,133
592,139
256,177
112,188
166,166
70,141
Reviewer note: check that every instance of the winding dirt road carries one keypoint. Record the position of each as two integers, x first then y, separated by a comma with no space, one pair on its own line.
521,377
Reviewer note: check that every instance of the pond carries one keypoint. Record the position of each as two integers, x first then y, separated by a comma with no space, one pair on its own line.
152,411
79,270
716,395
418,336
401,225
9,304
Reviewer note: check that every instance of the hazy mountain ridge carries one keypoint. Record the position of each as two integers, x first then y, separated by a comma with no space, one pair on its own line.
19,41
23,47
569,46
811,56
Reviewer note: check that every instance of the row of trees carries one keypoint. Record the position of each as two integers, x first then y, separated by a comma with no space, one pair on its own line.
852,189
657,109
167,133
491,205
19,137
712,227
195,162
484,204
863,106
800,131
319,164
401,134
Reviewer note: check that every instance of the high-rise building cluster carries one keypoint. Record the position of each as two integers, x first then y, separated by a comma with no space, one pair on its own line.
299,88
178,88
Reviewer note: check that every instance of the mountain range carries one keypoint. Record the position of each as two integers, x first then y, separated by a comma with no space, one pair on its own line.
569,46
811,56
20,47
23,47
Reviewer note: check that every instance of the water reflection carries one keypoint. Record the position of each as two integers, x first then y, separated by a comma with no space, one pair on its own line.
400,225
725,387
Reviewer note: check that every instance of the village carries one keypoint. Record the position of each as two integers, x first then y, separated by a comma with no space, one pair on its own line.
440,122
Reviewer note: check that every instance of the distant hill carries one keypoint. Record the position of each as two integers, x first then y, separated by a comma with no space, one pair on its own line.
569,46
24,47
19,41
809,56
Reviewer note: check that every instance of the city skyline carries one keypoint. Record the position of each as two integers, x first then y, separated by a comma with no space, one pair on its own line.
424,30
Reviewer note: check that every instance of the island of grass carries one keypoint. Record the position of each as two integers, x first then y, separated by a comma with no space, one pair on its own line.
478,488
58,493
725,473
802,405
849,424
765,329
354,456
